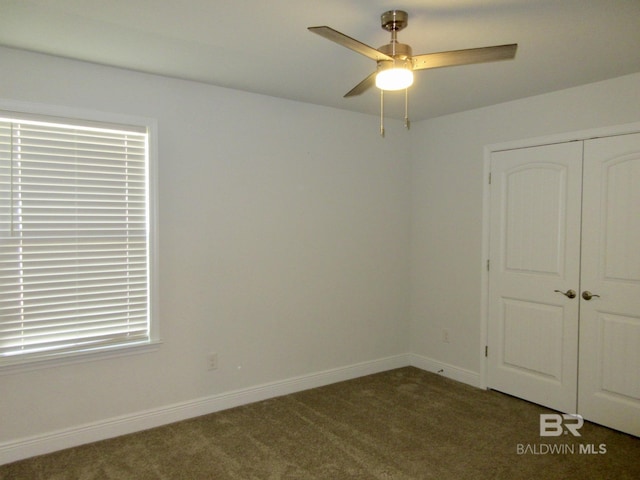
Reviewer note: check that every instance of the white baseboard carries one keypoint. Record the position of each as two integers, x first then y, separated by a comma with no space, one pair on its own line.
445,369
71,437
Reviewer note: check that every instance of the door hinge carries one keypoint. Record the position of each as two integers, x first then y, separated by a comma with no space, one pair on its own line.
488,264
489,178
486,350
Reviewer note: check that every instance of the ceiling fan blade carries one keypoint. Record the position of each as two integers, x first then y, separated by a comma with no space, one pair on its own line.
363,86
464,57
351,43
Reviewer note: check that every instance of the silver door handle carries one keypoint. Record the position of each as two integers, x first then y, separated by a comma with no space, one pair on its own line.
587,295
568,293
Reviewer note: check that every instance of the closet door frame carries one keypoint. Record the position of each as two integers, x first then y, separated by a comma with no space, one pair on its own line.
486,213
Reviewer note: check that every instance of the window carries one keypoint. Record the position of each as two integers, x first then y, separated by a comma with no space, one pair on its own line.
74,237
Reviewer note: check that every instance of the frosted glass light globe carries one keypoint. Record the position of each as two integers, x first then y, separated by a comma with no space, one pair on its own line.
394,79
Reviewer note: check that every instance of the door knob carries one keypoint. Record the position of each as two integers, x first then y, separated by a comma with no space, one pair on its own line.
587,295
568,293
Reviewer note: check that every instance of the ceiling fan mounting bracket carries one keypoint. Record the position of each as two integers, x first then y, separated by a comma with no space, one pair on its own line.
394,20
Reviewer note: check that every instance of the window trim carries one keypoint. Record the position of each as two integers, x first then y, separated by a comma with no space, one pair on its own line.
82,116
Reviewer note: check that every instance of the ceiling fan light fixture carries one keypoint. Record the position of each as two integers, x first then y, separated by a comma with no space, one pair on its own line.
398,78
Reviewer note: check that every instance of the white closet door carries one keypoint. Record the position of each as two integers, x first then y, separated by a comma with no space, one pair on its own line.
535,255
609,379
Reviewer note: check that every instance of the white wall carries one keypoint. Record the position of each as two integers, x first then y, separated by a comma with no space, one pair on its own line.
447,185
283,245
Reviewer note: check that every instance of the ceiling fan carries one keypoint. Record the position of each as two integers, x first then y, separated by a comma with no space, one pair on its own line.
396,62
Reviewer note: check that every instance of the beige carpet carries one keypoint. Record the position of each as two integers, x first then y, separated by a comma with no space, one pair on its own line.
402,424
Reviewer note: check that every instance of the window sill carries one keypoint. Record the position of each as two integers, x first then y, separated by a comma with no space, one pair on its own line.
22,365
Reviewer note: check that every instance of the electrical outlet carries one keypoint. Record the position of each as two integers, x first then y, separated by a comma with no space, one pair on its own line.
212,361
445,336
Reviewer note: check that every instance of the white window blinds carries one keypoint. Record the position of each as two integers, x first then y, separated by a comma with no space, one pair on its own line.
74,249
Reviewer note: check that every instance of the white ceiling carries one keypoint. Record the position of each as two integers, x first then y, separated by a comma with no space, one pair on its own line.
264,46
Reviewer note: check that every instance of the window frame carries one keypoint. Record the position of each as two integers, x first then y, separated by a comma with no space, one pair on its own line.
78,116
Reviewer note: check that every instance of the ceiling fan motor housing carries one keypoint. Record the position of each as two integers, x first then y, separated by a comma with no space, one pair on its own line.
401,54
396,50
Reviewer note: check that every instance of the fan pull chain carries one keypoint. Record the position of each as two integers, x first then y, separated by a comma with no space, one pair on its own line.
382,113
407,123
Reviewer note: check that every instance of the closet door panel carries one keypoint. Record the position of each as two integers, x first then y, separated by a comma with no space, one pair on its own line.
535,253
609,366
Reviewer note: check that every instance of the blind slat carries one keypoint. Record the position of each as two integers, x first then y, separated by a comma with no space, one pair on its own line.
61,347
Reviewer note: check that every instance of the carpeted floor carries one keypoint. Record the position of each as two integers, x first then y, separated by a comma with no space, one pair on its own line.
403,424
